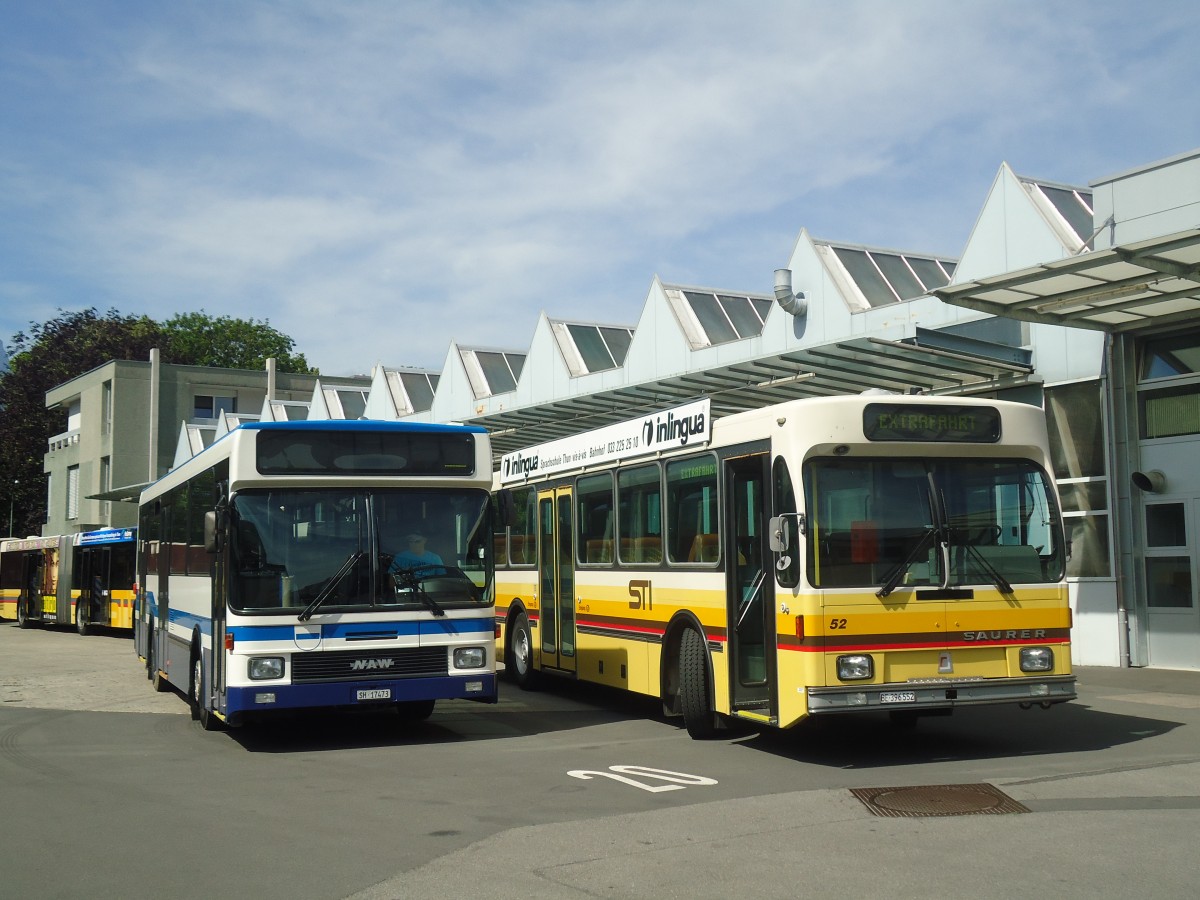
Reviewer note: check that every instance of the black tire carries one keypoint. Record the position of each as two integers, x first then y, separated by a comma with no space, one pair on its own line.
415,710
82,623
23,620
518,658
200,712
152,671
195,685
694,696
150,654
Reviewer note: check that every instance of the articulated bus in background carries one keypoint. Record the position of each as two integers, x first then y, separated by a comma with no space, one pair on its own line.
279,570
847,554
85,579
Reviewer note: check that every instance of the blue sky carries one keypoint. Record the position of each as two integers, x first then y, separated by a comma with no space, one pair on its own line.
378,179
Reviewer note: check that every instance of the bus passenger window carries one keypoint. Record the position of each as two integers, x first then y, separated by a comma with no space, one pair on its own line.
594,504
693,535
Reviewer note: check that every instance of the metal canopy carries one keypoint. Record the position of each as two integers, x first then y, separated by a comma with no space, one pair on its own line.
845,367
1144,286
130,493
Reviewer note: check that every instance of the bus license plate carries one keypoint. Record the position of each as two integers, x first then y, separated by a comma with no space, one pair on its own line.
898,697
378,694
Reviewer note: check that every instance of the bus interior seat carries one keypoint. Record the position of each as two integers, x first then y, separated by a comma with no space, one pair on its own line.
599,551
705,548
646,549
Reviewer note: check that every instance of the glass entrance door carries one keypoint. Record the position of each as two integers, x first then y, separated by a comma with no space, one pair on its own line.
556,579
1171,561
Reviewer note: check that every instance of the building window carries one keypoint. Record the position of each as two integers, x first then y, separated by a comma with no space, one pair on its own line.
1168,568
106,407
1076,423
73,492
208,406
105,485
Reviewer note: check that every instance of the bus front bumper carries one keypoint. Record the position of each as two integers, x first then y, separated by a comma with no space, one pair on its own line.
261,698
942,694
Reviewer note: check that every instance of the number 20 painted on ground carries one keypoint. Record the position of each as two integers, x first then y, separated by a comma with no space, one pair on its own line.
679,780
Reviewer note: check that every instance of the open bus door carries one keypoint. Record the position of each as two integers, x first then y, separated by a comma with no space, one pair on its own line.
29,601
93,575
750,586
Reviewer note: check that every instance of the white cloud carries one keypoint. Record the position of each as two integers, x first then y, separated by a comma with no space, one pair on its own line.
381,179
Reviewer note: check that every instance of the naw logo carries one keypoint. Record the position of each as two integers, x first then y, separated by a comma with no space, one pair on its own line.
360,665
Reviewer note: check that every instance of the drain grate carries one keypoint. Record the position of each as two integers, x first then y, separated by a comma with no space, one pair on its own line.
938,800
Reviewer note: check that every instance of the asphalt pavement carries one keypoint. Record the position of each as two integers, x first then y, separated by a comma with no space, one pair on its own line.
1109,811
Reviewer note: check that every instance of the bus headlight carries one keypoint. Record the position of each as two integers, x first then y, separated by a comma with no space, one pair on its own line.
1037,659
855,668
469,657
264,668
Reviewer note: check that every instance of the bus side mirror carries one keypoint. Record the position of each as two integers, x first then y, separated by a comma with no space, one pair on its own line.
780,534
212,541
507,507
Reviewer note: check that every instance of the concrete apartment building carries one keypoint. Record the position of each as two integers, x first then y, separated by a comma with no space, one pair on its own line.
125,423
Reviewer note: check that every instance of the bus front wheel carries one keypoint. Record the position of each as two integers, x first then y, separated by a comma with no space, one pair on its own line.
415,710
200,711
519,658
694,697
23,620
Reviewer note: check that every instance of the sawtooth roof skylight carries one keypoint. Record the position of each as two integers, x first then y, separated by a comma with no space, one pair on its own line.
492,371
592,348
714,317
1073,204
886,276
417,387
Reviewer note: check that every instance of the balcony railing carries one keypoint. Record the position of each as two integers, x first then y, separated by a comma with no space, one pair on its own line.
64,440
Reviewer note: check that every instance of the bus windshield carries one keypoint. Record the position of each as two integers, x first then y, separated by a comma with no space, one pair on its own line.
308,551
888,523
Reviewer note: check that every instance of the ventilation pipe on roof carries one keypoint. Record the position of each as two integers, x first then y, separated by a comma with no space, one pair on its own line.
793,303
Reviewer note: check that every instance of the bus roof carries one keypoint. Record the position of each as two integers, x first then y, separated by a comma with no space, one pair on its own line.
361,425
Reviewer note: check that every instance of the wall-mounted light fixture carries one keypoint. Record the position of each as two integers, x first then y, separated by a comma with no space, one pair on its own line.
1153,482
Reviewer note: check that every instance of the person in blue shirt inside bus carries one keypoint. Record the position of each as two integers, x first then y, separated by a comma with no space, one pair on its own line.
417,560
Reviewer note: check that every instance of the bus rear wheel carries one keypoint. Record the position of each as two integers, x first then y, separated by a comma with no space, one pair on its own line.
81,617
694,696
23,620
152,671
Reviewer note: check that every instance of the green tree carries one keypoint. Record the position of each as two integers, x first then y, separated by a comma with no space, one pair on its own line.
72,343
198,339
50,353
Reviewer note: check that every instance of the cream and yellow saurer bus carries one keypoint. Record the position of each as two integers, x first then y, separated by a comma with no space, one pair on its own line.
831,555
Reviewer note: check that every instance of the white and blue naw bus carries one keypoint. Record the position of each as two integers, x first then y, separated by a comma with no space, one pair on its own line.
279,570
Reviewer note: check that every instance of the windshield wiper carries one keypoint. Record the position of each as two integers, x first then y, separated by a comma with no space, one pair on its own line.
932,533
331,586
991,571
411,580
